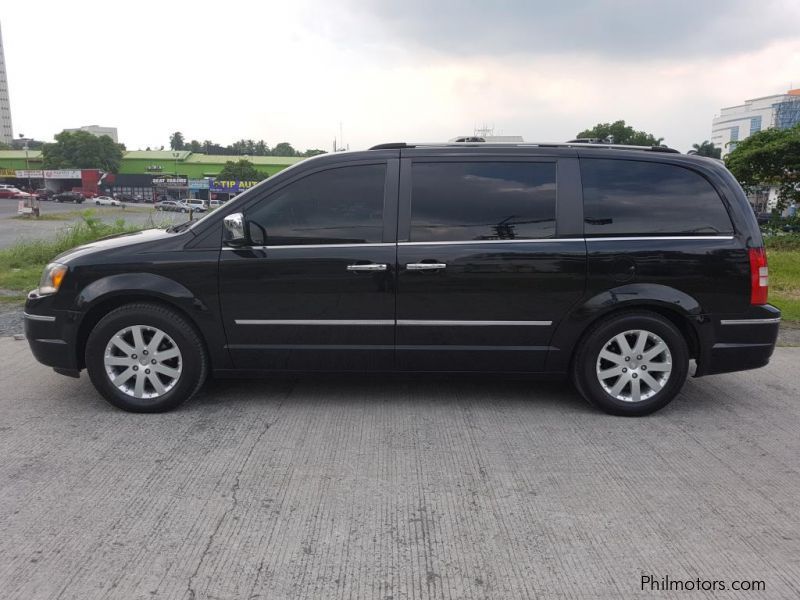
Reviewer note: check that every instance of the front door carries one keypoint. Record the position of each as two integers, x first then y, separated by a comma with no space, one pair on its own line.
485,272
316,290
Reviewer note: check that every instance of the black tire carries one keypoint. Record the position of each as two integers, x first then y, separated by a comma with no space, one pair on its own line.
194,360
585,362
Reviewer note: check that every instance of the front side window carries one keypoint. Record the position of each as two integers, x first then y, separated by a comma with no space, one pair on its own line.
637,198
452,201
338,206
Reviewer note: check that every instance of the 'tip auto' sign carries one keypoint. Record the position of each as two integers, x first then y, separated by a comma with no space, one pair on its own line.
231,186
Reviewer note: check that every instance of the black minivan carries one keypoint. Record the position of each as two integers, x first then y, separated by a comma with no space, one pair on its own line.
615,266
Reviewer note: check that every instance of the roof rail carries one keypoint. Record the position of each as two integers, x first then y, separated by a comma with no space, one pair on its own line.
574,144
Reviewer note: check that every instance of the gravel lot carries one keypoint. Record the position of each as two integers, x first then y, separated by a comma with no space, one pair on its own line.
14,229
396,488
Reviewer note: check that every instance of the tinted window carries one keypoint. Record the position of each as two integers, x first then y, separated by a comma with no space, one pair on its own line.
338,206
483,201
624,197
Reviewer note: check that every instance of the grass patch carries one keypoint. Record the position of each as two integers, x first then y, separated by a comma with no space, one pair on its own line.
784,282
21,265
71,215
787,241
67,216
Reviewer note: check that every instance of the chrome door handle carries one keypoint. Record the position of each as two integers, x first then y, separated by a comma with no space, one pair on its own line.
368,267
424,266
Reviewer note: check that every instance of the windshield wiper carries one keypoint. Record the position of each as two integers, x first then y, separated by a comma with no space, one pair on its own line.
180,226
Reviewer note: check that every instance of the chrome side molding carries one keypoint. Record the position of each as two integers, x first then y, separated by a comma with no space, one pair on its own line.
750,321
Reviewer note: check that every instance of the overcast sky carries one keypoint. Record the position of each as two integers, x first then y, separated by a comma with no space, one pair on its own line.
419,70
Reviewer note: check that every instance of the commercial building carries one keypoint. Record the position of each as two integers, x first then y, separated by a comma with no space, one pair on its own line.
98,131
6,130
192,164
737,123
147,174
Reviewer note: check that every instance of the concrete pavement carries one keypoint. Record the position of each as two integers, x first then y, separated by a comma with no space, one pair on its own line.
397,488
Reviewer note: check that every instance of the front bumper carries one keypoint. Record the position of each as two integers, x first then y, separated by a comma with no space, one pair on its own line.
51,336
741,342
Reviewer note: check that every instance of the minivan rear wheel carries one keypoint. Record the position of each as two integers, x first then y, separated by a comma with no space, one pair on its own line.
631,364
145,358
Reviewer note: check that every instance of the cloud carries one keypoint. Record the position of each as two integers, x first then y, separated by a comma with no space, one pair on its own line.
623,29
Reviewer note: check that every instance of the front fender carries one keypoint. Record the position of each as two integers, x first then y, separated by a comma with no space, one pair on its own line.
121,284
630,296
95,295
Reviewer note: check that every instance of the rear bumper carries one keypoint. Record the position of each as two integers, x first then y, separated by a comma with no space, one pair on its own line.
741,342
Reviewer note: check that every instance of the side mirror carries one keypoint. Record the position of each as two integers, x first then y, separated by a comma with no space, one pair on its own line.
233,230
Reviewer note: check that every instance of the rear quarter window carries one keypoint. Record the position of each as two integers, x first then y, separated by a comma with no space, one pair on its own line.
637,198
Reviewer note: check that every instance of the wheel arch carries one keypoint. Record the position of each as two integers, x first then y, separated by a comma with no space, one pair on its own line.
107,294
679,308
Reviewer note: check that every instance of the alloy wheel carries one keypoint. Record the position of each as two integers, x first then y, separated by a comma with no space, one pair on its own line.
143,361
634,366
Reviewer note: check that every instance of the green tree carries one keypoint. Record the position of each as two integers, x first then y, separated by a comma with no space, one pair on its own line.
176,141
284,149
706,148
770,157
620,133
243,170
82,150
313,152
194,146
261,148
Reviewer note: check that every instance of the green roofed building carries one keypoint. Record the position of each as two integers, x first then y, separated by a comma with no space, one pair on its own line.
154,162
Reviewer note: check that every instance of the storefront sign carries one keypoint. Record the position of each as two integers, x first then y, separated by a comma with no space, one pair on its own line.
29,174
198,184
172,181
8,173
63,174
231,187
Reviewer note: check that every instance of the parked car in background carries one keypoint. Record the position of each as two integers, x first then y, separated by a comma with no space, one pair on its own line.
85,193
44,194
129,198
74,197
107,201
172,206
197,204
13,193
763,217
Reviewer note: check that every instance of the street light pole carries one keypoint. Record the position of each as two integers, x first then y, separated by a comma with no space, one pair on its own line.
33,201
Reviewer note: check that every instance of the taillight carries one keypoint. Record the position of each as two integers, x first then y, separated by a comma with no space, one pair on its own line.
759,276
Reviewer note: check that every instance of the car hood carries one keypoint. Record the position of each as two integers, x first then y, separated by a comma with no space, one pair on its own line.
114,242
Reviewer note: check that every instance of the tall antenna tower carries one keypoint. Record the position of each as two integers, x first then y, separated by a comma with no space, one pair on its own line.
6,131
339,145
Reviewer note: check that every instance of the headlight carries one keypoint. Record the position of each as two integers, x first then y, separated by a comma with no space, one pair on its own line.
51,279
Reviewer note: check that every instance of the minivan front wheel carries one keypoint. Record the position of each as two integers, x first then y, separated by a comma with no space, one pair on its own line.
145,358
631,364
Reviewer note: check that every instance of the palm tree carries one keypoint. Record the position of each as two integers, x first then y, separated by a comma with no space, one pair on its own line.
706,148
